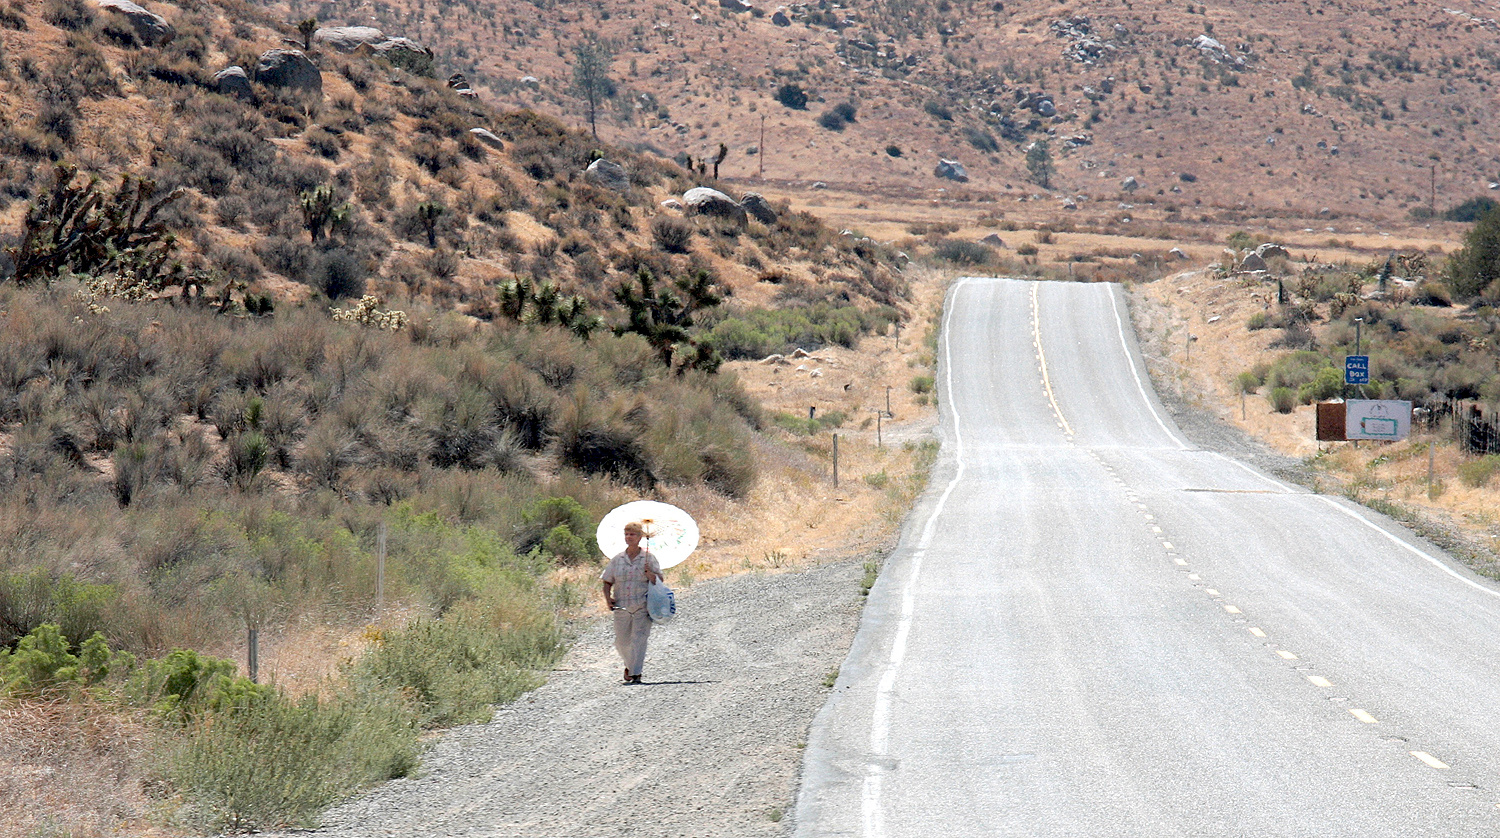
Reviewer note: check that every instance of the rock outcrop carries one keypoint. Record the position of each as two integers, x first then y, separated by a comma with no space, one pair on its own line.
289,68
150,28
702,200
487,137
234,81
951,170
758,207
608,174
780,17
1272,250
347,38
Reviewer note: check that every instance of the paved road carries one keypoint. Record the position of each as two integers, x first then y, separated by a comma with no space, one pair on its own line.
1092,628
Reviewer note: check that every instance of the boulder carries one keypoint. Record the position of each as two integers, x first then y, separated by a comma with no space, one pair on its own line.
487,137
819,185
734,5
952,170
1178,254
993,240
781,18
288,68
704,201
758,207
1252,262
607,174
234,81
672,204
1130,184
398,50
1271,250
347,38
1045,108
150,28
458,82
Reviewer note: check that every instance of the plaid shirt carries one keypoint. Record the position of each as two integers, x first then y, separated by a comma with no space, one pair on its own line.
627,578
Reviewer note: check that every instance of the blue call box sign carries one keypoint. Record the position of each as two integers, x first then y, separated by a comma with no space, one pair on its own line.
1356,369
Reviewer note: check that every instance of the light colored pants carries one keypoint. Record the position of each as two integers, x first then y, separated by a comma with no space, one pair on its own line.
632,628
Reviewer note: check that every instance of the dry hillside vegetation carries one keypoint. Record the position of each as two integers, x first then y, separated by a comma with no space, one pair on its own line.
1292,108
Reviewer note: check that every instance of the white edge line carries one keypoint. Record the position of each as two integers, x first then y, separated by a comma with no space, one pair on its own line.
1422,554
1139,386
880,722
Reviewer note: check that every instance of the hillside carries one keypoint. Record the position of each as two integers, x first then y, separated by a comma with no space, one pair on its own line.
1289,108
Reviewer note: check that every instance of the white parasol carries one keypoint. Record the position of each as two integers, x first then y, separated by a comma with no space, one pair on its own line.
670,534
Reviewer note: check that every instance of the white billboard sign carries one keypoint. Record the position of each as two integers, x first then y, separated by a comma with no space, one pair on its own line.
1385,419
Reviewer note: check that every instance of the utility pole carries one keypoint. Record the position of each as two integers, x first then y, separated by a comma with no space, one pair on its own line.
762,148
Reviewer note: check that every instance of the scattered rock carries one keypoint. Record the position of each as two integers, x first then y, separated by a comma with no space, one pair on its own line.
530,81
1130,184
1252,262
758,207
780,17
234,81
952,170
1069,204
488,137
993,240
1271,250
347,38
734,5
819,185
1045,108
672,204
1177,253
288,68
608,174
150,28
398,50
704,201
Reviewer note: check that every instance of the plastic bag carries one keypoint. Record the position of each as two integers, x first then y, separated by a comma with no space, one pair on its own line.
661,604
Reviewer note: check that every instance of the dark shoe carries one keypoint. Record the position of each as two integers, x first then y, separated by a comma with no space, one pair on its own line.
635,679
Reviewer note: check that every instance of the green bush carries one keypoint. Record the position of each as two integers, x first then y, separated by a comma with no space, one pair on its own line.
792,96
961,252
761,332
1259,320
1282,399
186,685
457,668
921,384
1477,473
1247,382
279,762
1327,383
44,661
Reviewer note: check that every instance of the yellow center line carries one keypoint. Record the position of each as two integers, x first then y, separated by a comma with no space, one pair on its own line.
1257,632
1286,655
1041,356
1432,761
1319,681
1363,716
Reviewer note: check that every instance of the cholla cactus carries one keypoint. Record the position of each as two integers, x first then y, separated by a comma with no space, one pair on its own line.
367,312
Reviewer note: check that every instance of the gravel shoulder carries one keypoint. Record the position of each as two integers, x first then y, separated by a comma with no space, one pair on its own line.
710,747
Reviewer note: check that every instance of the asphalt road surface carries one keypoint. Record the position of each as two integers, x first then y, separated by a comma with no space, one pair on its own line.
1093,628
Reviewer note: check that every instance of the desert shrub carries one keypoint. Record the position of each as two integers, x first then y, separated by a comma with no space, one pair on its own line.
1471,210
593,442
32,598
1247,382
1326,383
1259,320
671,234
792,96
560,526
1477,473
75,15
937,110
893,150
277,761
920,384
456,668
338,273
838,116
1282,399
981,139
292,259
1026,249
761,332
961,252
43,661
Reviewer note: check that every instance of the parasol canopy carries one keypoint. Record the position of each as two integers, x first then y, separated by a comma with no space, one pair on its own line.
670,534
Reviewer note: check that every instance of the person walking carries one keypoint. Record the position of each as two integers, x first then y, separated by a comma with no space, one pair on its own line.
625,580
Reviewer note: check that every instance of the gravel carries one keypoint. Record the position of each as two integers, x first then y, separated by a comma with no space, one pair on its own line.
710,746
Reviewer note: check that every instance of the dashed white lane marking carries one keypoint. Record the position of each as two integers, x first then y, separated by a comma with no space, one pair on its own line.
1257,632
1429,759
1363,716
1181,562
1211,592
1285,655
1231,609
1168,545
1319,681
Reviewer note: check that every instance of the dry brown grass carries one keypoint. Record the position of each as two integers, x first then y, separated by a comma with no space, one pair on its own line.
75,767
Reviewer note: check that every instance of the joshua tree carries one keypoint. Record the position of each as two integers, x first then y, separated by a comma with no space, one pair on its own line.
306,29
429,212
320,213
591,81
719,158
